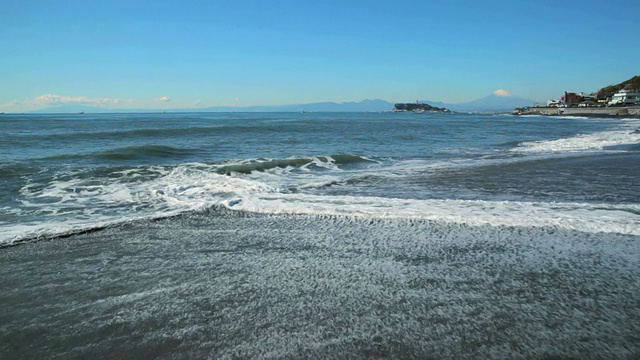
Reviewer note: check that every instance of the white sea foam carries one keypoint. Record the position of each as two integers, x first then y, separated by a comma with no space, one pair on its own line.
64,206
72,204
591,218
571,117
581,143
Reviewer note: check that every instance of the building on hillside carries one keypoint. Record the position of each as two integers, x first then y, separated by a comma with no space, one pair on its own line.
624,97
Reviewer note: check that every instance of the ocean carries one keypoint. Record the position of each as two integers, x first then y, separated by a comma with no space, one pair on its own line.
319,235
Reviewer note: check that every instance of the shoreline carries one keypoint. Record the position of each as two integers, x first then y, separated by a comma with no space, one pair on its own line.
619,111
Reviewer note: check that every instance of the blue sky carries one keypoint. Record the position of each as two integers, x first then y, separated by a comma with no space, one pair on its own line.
172,54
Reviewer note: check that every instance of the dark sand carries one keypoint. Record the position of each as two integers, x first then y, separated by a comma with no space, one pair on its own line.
220,284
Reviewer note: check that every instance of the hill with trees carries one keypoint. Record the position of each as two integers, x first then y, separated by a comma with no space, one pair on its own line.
632,84
421,107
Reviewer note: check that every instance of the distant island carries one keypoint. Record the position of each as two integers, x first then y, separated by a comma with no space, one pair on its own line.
418,108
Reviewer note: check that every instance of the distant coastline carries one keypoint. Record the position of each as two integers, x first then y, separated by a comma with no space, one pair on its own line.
613,111
488,104
619,100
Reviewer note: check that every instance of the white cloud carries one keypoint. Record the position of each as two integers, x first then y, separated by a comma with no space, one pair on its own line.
53,99
12,103
163,99
502,92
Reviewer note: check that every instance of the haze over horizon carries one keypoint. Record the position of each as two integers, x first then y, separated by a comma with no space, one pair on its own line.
168,55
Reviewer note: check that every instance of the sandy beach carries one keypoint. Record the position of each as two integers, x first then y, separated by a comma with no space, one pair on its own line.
225,285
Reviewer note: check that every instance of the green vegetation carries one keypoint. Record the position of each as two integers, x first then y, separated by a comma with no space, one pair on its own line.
417,107
632,84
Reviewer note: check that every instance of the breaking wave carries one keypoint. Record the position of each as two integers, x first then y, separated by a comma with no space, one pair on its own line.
249,166
66,204
598,141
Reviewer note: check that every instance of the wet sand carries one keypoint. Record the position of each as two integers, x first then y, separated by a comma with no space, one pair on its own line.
221,284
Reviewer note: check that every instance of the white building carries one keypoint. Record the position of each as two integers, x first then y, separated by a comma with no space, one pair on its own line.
624,97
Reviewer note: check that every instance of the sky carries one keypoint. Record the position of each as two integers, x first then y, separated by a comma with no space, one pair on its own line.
126,54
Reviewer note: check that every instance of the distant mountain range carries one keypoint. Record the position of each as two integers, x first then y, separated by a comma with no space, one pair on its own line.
360,106
491,103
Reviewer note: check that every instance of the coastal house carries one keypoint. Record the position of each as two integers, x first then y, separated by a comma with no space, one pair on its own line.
624,97
588,100
571,99
587,103
553,103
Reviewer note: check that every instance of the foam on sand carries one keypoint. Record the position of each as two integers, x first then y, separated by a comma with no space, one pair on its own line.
592,218
220,284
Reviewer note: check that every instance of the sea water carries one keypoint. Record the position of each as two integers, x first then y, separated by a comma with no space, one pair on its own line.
319,235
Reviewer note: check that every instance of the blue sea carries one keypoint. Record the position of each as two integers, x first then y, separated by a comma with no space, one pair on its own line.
319,235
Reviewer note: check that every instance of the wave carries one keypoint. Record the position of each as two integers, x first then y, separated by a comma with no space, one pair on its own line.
65,202
146,151
130,153
581,143
231,129
251,165
154,133
72,204
13,170
68,199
